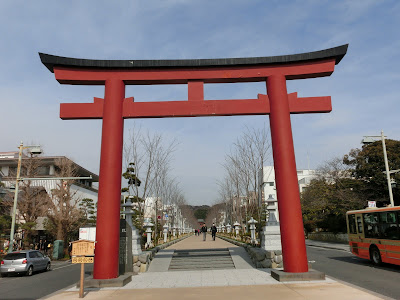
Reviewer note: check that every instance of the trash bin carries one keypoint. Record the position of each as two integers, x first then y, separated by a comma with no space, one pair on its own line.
58,249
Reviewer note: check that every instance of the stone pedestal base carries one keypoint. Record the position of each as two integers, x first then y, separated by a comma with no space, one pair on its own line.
311,275
271,238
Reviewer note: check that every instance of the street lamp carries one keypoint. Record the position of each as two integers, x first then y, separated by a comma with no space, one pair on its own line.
370,139
34,150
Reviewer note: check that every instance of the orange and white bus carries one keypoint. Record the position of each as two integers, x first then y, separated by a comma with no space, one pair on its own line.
374,234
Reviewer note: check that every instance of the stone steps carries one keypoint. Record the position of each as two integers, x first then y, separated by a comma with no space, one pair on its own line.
201,259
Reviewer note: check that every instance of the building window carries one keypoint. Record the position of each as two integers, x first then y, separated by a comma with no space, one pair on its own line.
43,171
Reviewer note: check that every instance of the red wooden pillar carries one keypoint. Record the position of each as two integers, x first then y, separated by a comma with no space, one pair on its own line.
287,188
108,208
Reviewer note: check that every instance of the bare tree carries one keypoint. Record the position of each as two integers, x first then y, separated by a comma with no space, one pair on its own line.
242,165
152,155
63,211
187,213
215,214
31,196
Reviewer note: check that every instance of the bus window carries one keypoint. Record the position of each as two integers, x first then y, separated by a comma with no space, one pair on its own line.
371,225
352,224
388,225
359,225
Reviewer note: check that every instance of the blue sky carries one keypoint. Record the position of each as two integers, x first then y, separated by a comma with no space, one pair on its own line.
364,86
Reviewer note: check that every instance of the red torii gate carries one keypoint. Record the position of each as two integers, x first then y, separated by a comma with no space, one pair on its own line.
114,108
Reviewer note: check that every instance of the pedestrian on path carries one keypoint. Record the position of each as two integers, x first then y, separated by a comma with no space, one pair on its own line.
213,231
204,231
70,250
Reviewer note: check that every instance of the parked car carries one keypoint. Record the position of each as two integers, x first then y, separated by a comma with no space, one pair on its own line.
24,262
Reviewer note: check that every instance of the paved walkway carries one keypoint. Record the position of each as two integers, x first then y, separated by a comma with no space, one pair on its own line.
243,282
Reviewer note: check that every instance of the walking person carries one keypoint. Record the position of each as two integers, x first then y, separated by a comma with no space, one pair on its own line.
70,250
41,246
45,247
213,231
204,231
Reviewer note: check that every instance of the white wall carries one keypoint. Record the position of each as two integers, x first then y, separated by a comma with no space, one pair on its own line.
268,185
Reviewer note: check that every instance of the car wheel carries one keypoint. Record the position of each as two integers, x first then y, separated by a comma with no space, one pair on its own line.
30,271
375,256
48,267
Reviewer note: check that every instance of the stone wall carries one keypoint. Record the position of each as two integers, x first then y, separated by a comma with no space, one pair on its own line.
329,237
266,258
260,257
142,261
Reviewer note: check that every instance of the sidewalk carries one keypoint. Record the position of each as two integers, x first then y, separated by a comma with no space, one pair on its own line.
240,283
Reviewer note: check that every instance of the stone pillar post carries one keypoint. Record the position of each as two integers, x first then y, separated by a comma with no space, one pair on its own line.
165,232
237,227
252,224
148,233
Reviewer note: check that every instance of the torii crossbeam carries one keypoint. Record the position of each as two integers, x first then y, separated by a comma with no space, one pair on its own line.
114,108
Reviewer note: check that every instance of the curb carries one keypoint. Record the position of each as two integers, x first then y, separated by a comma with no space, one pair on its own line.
328,247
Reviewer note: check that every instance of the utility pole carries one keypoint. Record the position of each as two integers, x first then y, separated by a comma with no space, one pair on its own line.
387,170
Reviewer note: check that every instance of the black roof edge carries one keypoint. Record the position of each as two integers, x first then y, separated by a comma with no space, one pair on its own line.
51,60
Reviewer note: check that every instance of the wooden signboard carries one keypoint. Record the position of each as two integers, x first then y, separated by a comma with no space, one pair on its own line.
82,248
82,260
82,253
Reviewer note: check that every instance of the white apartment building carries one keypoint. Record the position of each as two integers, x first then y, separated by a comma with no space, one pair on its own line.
267,182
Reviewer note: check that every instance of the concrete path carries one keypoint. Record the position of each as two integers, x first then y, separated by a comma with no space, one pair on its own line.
293,291
242,282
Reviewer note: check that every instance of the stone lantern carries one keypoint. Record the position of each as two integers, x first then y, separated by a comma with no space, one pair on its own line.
148,227
174,231
237,226
136,238
165,232
252,224
223,228
127,206
271,234
228,228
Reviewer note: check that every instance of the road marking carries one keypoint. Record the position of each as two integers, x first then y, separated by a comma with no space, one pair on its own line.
62,267
326,248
